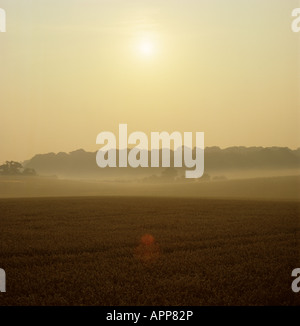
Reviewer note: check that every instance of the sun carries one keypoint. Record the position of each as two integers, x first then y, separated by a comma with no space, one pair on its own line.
146,48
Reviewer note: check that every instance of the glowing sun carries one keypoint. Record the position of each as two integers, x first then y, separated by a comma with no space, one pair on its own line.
146,48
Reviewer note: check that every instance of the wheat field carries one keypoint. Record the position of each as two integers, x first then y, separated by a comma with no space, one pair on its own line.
148,251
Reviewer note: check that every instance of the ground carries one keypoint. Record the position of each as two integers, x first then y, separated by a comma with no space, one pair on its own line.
148,251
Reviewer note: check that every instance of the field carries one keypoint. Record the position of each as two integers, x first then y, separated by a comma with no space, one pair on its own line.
148,251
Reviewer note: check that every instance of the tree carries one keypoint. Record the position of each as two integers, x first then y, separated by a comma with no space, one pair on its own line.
29,171
15,168
11,167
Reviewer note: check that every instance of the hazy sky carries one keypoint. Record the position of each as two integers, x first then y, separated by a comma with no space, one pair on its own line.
70,69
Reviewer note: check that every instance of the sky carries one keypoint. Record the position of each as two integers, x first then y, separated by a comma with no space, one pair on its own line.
70,69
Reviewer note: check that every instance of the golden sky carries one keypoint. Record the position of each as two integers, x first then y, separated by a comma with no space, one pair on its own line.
70,69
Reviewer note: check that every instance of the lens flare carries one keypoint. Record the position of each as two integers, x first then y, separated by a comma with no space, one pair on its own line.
148,250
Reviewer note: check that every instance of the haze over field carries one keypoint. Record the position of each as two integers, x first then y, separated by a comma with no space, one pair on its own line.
237,172
233,162
75,234
72,69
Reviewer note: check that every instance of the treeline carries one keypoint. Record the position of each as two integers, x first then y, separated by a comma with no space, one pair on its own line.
15,168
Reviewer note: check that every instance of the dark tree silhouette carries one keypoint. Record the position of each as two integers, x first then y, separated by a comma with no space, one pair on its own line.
15,168
29,171
11,167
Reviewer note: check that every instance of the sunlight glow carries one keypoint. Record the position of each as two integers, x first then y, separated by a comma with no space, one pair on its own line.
146,48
